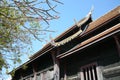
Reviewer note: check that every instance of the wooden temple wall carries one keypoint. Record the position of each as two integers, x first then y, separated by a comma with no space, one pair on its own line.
104,56
95,55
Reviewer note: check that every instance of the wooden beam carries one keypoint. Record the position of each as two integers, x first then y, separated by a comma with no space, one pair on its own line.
112,71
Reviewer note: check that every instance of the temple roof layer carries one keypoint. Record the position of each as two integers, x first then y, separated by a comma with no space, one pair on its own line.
93,27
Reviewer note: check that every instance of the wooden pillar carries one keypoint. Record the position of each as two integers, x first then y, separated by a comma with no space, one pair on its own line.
56,72
21,76
81,74
65,71
34,71
99,73
117,43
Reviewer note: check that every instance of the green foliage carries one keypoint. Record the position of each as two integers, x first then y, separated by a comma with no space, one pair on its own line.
24,67
19,25
2,62
12,73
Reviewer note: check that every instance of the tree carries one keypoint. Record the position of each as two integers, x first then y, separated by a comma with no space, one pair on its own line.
20,23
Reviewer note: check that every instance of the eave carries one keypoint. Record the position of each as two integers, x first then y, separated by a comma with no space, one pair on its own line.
76,25
92,27
103,20
109,32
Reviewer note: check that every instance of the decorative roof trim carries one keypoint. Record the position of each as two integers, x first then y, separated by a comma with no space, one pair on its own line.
79,24
84,20
66,39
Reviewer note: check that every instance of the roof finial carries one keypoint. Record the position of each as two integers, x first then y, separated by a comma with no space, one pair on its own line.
91,10
75,21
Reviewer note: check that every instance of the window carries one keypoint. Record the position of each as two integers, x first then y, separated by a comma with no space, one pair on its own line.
29,77
45,75
74,77
38,77
32,78
89,72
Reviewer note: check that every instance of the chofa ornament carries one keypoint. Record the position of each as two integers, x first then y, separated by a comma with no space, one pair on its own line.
79,32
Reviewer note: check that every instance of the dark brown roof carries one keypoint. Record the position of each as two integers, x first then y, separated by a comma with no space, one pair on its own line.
92,40
48,46
92,27
104,19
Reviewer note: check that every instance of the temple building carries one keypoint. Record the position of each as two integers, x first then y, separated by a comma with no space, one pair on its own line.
88,50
